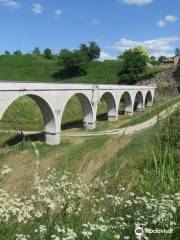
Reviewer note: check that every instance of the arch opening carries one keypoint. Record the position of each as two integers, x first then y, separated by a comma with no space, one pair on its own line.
138,102
31,113
77,113
148,100
125,104
107,108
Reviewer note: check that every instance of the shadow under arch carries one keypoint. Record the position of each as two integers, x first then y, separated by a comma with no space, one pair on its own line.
148,99
138,102
48,118
77,112
108,107
125,104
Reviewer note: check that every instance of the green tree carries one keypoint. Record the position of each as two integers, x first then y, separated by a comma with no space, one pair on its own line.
7,52
17,52
74,63
161,59
134,64
177,51
142,51
36,51
153,61
92,51
48,53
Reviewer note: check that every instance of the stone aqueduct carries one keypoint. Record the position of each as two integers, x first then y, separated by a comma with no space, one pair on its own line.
52,99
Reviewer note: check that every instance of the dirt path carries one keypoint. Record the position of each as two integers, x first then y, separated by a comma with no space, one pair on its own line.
131,129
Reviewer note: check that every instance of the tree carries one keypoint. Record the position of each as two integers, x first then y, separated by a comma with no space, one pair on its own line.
36,51
161,59
7,53
153,61
48,53
92,51
177,51
142,51
17,52
134,64
74,63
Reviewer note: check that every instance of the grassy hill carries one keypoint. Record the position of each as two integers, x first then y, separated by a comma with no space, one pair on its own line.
37,68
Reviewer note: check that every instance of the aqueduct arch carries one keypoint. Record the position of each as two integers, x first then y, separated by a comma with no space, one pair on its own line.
148,99
50,123
88,114
138,102
126,100
112,113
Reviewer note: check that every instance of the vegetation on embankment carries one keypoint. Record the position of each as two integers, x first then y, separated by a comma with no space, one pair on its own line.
36,68
137,187
157,108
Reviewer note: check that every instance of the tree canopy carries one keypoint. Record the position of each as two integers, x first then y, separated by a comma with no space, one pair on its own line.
48,53
74,63
36,51
134,63
92,50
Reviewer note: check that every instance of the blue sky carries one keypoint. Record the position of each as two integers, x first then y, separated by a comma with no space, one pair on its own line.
116,25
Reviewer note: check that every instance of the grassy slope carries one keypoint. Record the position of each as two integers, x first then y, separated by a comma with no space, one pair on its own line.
35,68
134,159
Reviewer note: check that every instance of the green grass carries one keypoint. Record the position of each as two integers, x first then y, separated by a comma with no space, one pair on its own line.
151,72
5,136
150,162
27,68
148,167
157,108
36,68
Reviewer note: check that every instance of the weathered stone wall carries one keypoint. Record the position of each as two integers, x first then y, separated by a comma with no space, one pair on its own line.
166,82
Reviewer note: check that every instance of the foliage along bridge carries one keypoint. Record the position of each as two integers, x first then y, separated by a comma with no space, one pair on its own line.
52,99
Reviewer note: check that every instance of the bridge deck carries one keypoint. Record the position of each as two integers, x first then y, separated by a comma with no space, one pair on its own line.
32,86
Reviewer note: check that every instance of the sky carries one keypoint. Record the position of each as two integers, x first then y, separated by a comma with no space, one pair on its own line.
116,25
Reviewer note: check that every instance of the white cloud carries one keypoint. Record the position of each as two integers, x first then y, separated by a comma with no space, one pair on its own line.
95,21
156,47
168,19
10,4
37,8
161,23
105,56
137,2
58,12
171,18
